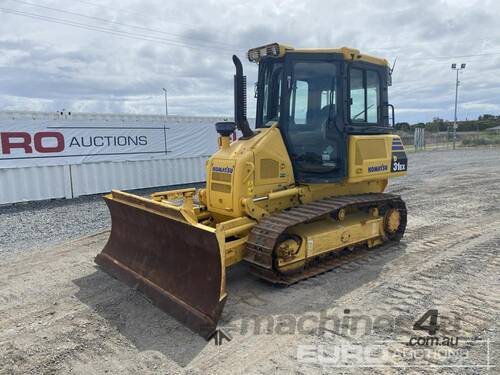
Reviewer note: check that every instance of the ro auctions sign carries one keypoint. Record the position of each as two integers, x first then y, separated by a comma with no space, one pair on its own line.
28,144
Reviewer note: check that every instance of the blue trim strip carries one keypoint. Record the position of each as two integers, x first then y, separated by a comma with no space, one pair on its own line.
397,148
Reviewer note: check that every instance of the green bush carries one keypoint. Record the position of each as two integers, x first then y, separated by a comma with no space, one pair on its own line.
480,141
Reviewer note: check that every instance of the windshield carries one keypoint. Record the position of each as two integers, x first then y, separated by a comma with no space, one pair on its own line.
312,111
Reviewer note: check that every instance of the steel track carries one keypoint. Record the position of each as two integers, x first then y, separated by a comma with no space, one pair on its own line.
264,236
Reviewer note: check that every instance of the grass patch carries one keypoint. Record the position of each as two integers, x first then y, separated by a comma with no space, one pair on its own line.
482,140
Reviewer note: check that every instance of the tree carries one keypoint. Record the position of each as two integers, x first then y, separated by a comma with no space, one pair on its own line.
402,126
486,117
437,124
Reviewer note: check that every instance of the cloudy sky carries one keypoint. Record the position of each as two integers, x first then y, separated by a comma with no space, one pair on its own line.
115,56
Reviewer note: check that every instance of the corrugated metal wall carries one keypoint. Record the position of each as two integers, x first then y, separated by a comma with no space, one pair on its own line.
34,183
102,177
71,181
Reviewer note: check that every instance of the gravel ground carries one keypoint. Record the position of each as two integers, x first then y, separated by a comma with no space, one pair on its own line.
59,313
35,225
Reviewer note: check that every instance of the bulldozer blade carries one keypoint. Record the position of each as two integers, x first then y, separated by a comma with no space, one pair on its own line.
178,266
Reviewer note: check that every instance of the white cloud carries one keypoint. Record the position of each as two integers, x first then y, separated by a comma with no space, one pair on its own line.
481,106
187,47
416,110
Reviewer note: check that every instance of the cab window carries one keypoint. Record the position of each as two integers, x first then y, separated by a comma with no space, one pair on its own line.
300,103
270,98
364,96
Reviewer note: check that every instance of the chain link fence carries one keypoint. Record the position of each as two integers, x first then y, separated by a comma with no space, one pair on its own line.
420,139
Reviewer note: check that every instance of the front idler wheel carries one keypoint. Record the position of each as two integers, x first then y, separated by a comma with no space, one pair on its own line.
392,222
286,253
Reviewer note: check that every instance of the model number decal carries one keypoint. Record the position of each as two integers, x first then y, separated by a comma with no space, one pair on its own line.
399,162
398,167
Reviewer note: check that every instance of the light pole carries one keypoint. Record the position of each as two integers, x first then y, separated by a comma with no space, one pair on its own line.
457,83
166,120
166,103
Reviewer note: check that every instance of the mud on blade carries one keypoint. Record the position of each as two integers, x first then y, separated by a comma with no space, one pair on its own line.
176,264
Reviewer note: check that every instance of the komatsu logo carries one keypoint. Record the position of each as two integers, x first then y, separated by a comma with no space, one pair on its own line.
222,169
378,168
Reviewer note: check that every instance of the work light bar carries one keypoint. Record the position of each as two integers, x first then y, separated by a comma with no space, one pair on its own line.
274,49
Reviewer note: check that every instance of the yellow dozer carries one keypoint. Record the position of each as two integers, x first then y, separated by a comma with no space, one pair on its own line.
289,198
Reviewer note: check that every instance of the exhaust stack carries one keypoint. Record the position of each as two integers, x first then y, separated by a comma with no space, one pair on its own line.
240,100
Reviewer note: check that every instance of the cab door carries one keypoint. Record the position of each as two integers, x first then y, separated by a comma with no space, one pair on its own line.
310,118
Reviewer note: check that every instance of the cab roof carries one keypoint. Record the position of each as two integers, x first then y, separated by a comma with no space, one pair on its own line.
279,50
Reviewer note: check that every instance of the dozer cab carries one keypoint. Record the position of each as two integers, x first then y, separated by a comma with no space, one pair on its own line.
289,198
